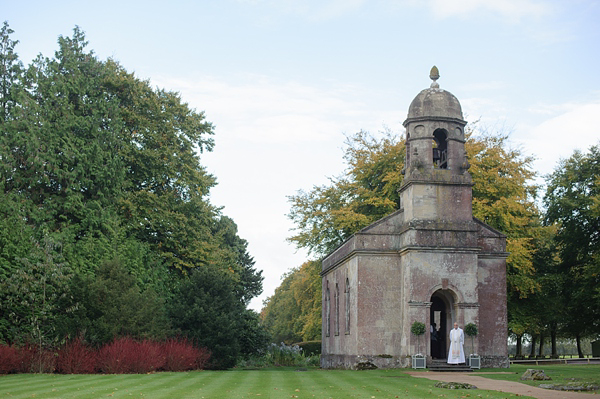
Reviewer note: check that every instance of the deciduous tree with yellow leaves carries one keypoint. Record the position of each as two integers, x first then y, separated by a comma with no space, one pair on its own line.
503,197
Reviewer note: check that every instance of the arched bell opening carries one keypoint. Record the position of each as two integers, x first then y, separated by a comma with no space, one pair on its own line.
440,149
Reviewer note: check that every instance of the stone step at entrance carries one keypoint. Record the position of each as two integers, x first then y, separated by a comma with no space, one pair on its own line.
442,365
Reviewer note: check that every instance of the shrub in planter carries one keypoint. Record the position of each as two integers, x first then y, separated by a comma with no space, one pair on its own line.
76,358
471,331
418,329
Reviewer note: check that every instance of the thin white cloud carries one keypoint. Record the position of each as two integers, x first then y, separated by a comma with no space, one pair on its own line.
260,109
336,8
311,10
557,137
512,10
479,107
485,86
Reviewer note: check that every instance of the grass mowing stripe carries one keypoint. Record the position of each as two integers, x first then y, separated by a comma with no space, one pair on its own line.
279,384
293,382
80,386
312,384
146,385
181,382
252,384
221,388
143,385
76,384
72,385
318,383
258,383
337,383
207,384
25,383
367,384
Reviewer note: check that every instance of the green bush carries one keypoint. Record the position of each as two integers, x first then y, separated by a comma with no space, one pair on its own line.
285,355
281,355
471,330
310,348
417,328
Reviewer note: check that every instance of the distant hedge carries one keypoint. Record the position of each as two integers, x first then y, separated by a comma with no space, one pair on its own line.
310,348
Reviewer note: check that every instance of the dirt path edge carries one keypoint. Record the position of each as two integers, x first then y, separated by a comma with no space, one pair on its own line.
497,385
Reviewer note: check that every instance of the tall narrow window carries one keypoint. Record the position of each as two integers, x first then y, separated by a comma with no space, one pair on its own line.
347,303
407,150
327,311
337,309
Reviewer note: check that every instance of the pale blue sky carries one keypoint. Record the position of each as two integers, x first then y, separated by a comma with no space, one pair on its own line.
284,80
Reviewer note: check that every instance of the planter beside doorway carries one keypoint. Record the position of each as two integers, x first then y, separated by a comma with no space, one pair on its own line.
418,361
474,361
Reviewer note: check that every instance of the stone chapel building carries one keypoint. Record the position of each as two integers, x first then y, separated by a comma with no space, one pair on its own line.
430,261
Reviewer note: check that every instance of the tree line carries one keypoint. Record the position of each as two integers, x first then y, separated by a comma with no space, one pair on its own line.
106,229
553,270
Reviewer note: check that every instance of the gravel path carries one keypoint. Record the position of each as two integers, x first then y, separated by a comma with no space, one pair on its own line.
499,385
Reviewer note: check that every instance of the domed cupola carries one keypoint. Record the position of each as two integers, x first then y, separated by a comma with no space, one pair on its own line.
434,102
435,134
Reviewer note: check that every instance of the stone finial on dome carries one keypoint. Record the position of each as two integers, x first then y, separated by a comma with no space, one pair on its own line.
434,75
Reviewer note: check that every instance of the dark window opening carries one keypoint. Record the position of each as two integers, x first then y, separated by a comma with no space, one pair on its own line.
347,297
337,309
440,149
327,311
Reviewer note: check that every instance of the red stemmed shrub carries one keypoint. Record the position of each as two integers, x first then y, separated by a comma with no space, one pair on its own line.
76,358
123,355
9,359
181,355
32,359
149,357
126,355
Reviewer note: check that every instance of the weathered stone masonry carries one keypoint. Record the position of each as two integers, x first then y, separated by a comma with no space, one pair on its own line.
430,261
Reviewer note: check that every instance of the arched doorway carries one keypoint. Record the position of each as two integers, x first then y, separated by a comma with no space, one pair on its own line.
440,319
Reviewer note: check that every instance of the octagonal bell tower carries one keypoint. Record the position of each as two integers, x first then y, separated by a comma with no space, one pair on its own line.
435,155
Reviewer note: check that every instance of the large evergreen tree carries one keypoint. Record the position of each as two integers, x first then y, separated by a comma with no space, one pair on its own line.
108,168
206,310
11,71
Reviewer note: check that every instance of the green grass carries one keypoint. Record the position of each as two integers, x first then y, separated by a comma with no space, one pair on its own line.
267,383
560,374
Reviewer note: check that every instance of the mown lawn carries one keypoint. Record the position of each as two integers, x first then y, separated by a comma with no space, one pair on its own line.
270,383
560,374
